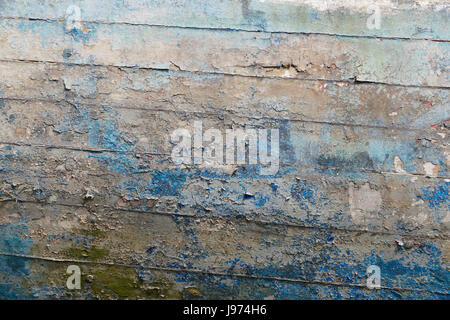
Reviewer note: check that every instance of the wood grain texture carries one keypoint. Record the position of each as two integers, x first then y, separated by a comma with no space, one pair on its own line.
130,131
346,103
86,174
211,246
243,53
405,19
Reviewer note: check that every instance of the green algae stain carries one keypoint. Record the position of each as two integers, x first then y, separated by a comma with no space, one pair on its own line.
165,289
118,282
194,291
92,254
96,233
123,284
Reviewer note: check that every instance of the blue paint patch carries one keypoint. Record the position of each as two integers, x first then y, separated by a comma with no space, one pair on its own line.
437,198
167,183
86,34
429,274
304,193
42,30
261,200
14,239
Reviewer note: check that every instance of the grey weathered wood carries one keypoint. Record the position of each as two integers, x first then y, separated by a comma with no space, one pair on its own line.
223,246
145,131
244,53
407,19
86,176
396,203
331,102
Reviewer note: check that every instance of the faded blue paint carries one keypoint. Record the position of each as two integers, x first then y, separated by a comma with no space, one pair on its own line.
14,239
323,152
438,198
305,193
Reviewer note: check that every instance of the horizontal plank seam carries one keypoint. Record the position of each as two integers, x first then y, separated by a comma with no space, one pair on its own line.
81,149
220,274
134,67
103,22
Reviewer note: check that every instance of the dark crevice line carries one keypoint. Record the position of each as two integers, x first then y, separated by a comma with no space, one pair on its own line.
134,67
222,29
234,218
81,149
218,274
355,81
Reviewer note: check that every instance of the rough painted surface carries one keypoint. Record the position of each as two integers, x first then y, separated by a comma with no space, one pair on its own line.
86,176
417,19
302,56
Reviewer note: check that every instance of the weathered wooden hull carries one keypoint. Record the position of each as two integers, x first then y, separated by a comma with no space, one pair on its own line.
87,179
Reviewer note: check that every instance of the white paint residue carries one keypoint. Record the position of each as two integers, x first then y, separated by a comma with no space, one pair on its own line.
430,169
398,165
362,5
363,201
417,203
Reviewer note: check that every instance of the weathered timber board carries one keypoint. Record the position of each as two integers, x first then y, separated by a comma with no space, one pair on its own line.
392,61
404,19
87,178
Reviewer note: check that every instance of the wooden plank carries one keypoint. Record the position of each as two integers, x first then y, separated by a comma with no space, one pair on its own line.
314,101
223,246
134,131
217,51
86,175
123,282
407,19
308,196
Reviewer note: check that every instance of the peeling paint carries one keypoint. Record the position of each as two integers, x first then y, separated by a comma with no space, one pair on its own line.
86,177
